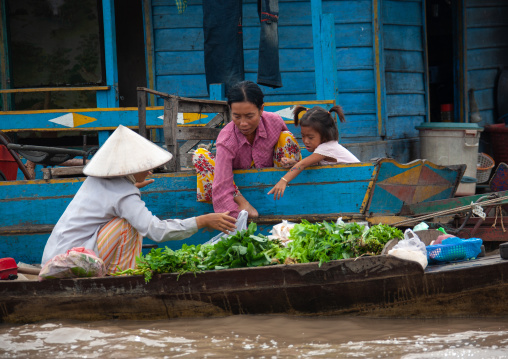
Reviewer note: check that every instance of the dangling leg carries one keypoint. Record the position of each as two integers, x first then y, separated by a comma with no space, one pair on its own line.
119,244
286,147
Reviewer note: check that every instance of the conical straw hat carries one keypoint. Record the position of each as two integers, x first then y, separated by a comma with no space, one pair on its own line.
125,153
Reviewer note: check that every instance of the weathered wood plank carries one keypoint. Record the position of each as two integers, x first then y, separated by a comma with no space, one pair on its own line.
407,38
487,17
55,172
398,127
404,82
486,38
197,133
406,105
482,79
171,108
397,13
481,59
403,61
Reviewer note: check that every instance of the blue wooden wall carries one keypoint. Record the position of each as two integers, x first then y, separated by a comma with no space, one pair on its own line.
179,63
487,51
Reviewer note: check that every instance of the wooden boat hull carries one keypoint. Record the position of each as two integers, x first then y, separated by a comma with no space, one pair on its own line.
30,209
371,286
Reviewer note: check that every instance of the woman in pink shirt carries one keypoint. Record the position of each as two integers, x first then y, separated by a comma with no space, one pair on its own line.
254,138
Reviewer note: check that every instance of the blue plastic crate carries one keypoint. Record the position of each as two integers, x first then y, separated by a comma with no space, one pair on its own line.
461,250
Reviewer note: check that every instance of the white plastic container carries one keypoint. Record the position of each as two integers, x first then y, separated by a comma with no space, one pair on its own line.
452,144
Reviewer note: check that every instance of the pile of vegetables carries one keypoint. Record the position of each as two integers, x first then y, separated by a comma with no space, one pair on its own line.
310,242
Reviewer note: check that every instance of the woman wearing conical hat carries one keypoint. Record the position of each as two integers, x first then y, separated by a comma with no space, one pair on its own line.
107,214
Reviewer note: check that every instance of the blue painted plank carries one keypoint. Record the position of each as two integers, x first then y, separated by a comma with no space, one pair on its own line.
486,38
480,59
482,79
404,82
41,119
403,61
354,11
405,105
173,195
108,13
485,99
356,58
402,13
397,37
355,81
328,49
217,92
290,37
400,127
316,12
353,35
487,16
359,103
195,85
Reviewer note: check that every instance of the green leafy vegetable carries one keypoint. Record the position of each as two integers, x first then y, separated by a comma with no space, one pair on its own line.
311,242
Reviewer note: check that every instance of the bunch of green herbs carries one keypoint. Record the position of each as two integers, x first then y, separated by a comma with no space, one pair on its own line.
311,242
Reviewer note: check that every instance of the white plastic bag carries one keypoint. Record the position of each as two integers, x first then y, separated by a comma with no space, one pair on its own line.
281,232
241,224
410,248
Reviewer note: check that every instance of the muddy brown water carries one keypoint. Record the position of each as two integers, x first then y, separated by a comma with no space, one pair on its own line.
259,337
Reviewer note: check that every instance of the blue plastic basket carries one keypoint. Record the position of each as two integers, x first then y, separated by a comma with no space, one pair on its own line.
466,249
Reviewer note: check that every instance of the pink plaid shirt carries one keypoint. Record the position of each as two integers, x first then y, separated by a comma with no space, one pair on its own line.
235,152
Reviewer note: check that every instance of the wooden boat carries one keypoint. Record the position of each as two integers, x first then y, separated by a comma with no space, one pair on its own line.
30,209
379,286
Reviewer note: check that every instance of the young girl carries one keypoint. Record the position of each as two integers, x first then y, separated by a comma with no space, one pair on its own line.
320,136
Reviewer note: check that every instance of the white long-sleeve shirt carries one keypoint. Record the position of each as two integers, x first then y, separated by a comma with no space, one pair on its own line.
98,201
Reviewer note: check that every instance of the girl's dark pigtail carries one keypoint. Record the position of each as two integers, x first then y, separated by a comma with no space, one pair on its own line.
338,110
296,113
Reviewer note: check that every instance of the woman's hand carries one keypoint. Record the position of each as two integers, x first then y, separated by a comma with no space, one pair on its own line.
141,180
243,204
144,183
288,162
278,189
219,221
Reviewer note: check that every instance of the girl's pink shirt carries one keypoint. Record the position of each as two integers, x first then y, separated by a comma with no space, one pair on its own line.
235,152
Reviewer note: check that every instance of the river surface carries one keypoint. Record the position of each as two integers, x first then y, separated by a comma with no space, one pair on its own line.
259,337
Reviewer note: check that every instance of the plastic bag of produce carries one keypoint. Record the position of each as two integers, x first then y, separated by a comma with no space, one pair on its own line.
241,224
281,232
76,262
410,248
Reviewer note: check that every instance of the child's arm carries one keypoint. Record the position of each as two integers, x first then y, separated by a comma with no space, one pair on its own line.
280,187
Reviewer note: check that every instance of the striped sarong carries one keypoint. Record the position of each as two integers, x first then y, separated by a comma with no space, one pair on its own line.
119,244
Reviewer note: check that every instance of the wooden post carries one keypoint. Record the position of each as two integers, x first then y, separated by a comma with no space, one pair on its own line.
316,11
217,92
109,97
142,112
171,131
328,47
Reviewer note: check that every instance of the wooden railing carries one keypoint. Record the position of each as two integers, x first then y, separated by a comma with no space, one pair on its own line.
192,134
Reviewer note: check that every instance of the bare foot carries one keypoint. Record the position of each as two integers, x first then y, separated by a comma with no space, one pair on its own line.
243,204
